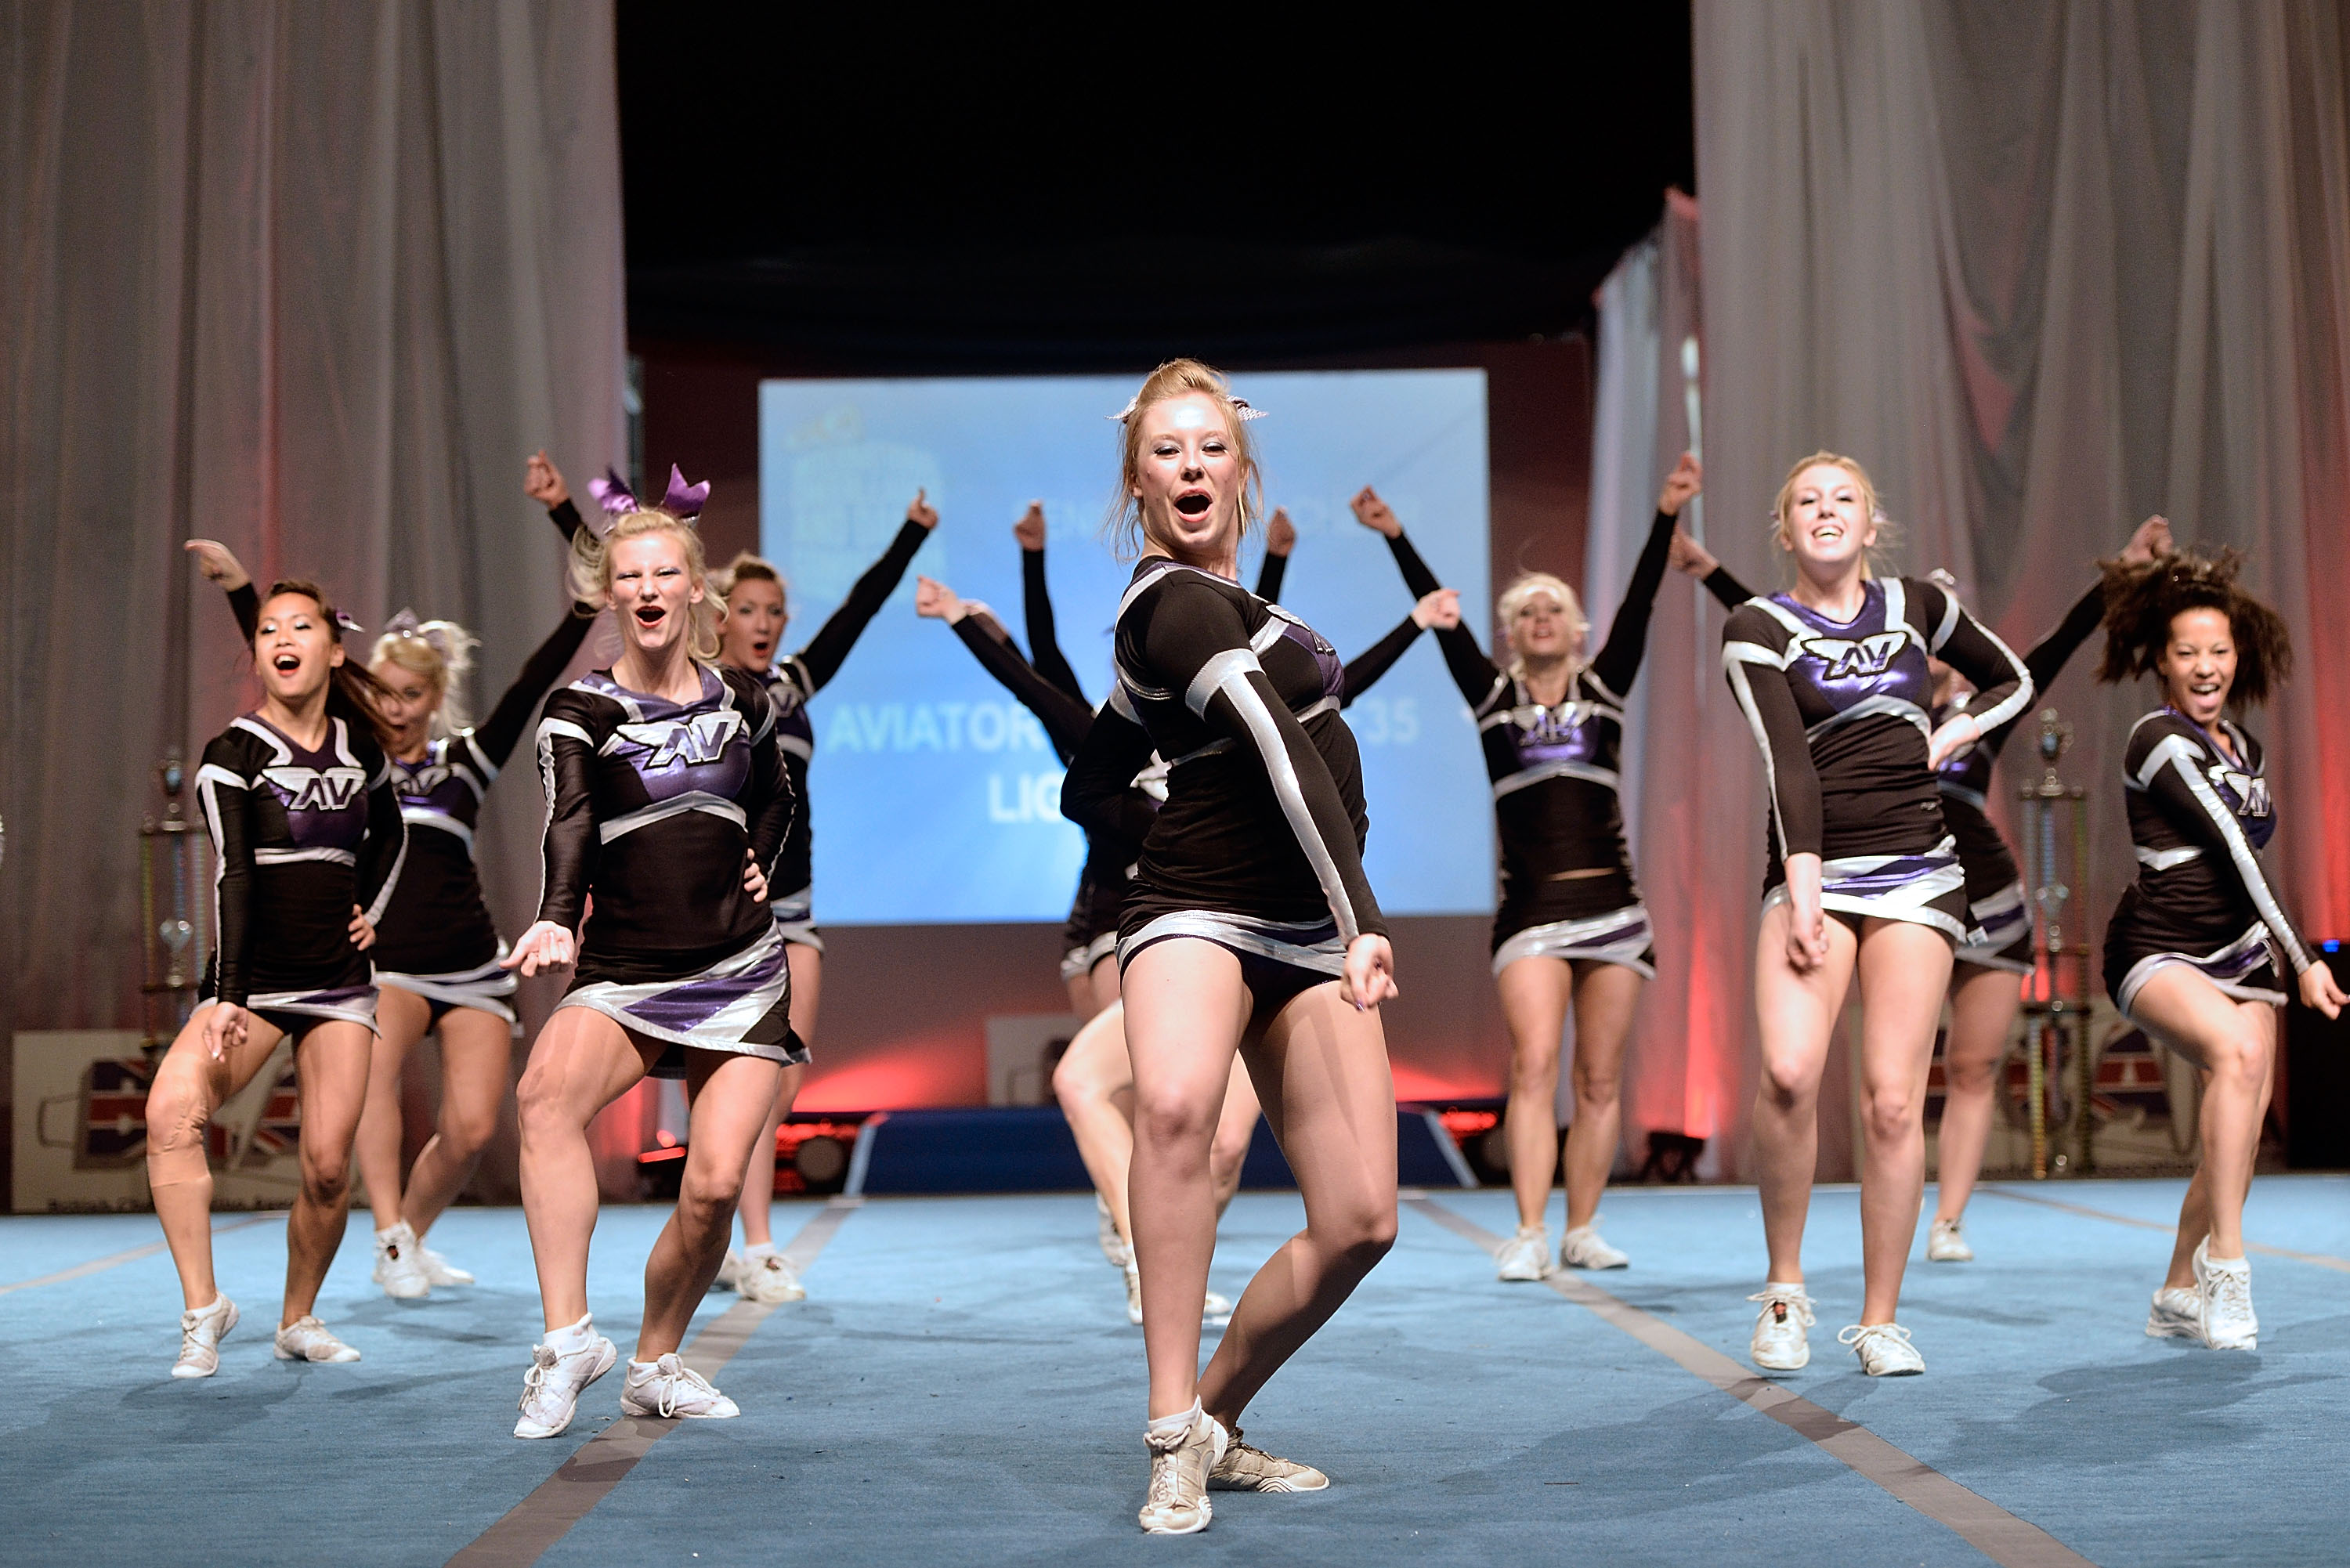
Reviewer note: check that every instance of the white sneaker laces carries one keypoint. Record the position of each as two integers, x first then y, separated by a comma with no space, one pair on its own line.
685,1374
2232,1289
542,1361
1859,1333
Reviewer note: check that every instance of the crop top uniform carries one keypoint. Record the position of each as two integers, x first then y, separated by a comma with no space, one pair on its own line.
301,835
1996,901
1840,709
651,805
1567,891
2199,820
1258,846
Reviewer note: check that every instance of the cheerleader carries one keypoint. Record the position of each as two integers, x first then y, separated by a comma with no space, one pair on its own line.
753,616
1094,1080
668,804
1985,996
2196,953
1863,877
437,950
308,842
1571,928
1250,926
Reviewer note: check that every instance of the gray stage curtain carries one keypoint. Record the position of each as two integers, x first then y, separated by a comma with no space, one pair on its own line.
311,278
2046,268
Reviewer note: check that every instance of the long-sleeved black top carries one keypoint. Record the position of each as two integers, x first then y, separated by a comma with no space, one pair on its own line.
302,836
2198,819
1044,644
1840,711
1555,770
1265,815
651,806
800,676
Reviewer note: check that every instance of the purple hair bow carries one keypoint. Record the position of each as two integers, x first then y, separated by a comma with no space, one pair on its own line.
405,624
343,618
612,494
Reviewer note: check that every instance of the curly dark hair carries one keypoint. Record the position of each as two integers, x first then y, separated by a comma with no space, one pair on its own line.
2142,600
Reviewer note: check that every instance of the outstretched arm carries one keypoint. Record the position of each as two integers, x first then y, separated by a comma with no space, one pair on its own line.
1280,538
1472,672
1618,662
1065,719
497,735
2047,658
829,649
1441,609
1036,606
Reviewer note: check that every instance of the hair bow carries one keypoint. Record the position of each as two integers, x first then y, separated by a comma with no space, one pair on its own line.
343,618
612,494
405,624
1240,406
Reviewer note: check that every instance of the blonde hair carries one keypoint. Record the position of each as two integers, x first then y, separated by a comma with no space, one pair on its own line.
1783,511
746,567
1177,378
1514,598
589,576
422,652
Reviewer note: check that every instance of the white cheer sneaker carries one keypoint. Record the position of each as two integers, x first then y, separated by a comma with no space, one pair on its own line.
1947,1243
673,1390
1779,1343
199,1336
1524,1256
307,1339
559,1373
2224,1286
2177,1314
1884,1349
767,1278
1583,1248
398,1268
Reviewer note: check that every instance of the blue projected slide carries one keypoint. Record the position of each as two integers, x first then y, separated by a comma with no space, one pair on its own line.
935,797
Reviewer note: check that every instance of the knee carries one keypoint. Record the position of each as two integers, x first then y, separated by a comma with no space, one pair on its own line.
1594,1087
1785,1086
709,1196
467,1132
1535,1066
1169,1123
538,1103
1967,1074
1074,1084
2241,1060
178,1112
325,1176
1227,1154
1360,1236
1892,1114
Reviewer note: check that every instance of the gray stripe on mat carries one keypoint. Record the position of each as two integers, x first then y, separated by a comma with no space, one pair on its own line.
2322,1259
1984,1525
588,1477
116,1260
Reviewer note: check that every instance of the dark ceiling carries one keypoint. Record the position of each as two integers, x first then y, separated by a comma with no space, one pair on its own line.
995,192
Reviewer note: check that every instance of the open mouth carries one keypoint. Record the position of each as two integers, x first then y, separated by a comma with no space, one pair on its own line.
2203,689
286,663
650,615
1194,503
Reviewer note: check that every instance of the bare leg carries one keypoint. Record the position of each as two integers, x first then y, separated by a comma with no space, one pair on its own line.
187,1088
331,1065
1105,982
1904,967
1797,1013
401,1018
1331,1099
1235,1130
1186,1007
582,1062
1535,994
1091,1073
477,1065
758,1198
732,1097
1606,995
1983,1005
2234,1043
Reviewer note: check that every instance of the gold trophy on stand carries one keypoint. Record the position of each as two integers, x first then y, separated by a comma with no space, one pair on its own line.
173,872
2055,835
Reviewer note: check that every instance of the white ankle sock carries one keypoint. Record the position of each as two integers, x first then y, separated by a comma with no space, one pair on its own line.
573,1337
764,1249
1168,1431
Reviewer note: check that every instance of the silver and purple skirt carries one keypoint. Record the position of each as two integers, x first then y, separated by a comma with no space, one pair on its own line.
2246,969
740,1004
2003,935
1928,889
1619,937
485,989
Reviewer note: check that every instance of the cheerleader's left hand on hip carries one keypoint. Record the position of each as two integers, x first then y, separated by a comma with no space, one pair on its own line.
362,930
1369,978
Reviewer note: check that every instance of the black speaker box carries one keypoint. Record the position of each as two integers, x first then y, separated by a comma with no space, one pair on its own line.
2317,1078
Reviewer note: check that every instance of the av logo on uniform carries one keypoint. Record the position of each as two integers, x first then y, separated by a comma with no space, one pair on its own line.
2250,793
312,789
1870,656
687,743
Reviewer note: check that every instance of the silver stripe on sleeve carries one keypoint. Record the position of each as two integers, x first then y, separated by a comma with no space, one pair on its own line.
1119,703
1231,664
1735,657
1951,610
2177,750
375,911
1253,713
2018,699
